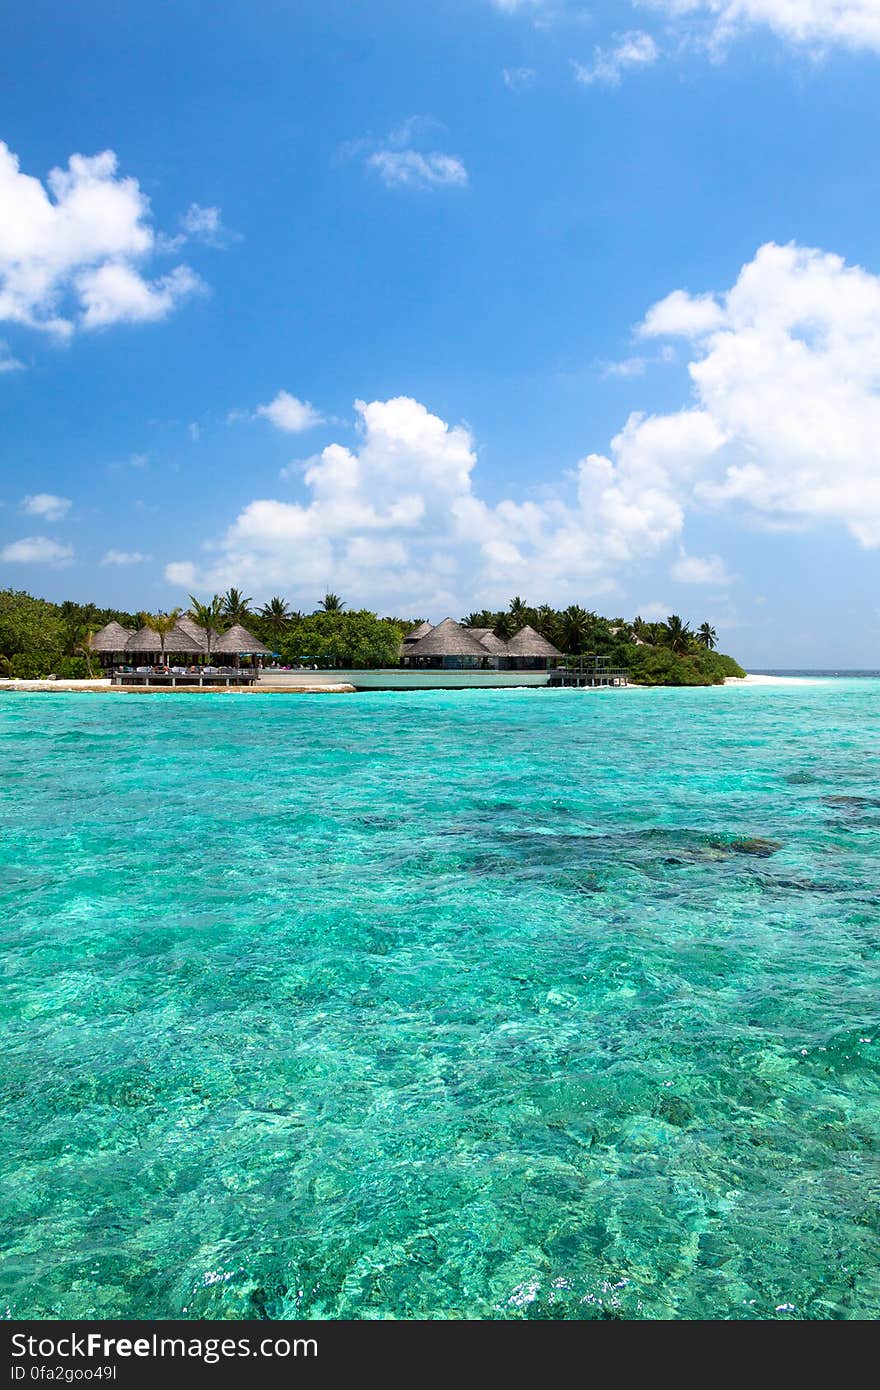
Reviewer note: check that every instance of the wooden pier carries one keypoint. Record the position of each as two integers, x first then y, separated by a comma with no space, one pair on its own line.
223,676
588,672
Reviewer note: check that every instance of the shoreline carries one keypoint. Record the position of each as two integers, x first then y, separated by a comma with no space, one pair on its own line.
756,680
100,686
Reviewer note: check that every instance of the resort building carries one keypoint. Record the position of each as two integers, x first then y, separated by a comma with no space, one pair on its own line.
451,647
186,645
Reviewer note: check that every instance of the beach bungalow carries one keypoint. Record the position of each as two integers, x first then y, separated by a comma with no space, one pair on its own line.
109,643
186,646
451,647
448,646
238,642
527,650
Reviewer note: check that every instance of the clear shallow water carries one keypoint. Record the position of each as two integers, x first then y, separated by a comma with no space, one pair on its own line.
487,1005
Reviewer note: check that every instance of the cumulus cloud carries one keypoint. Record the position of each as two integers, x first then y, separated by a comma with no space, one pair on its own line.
787,366
632,50
782,424
72,252
46,505
815,24
36,550
399,515
124,557
701,569
288,413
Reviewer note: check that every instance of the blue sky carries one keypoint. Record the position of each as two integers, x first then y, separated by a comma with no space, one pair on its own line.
433,304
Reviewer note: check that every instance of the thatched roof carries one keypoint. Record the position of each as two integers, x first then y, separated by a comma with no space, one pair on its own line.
418,633
487,638
448,638
112,638
239,640
188,624
178,641
528,642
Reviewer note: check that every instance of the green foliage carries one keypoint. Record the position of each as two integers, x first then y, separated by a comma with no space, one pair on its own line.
331,638
34,666
332,603
29,624
236,607
37,638
210,616
662,666
162,624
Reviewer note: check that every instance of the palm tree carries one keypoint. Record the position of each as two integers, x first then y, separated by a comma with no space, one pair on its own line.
161,623
707,635
575,623
547,622
86,647
71,619
209,616
332,603
236,606
676,633
276,615
519,611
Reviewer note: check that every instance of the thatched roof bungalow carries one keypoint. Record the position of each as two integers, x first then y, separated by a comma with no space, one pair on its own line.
527,650
186,640
487,638
449,646
111,638
453,647
237,641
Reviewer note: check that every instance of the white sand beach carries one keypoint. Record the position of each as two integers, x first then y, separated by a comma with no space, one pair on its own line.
775,680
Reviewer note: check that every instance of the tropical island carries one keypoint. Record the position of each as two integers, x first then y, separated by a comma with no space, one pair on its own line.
39,638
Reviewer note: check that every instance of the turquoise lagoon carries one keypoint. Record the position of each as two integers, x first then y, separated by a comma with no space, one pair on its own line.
499,1005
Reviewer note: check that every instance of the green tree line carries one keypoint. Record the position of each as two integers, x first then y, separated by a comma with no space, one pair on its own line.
38,638
655,653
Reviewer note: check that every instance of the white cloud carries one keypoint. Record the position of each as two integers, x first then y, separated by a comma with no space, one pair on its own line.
46,505
632,50
400,161
204,224
782,425
118,294
815,24
700,569
36,550
399,516
628,367
682,315
124,557
70,252
787,366
518,79
8,363
288,413
411,169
